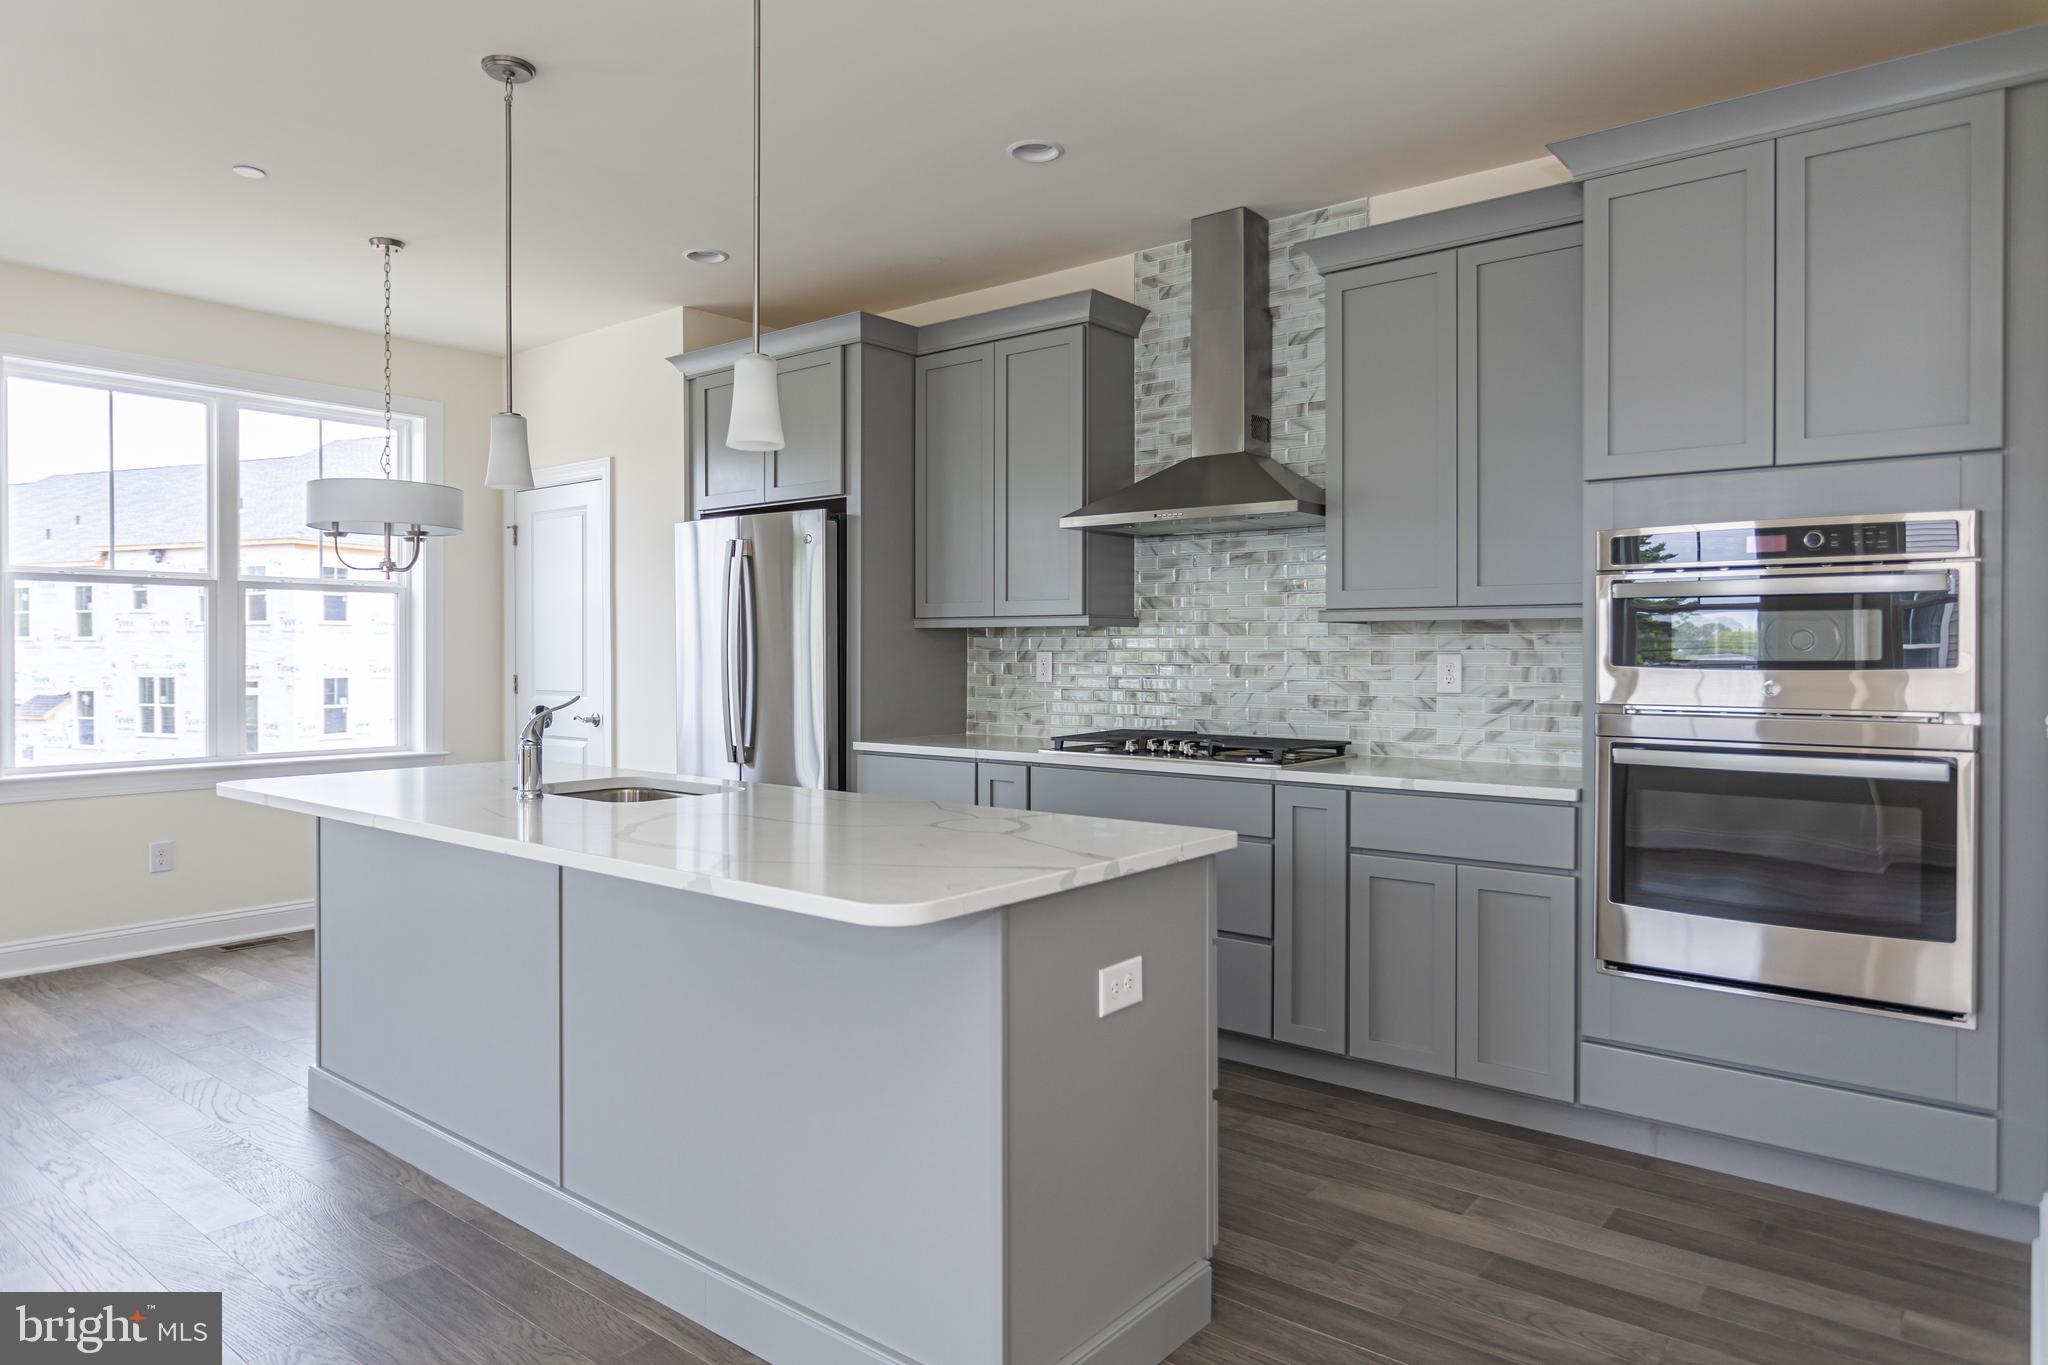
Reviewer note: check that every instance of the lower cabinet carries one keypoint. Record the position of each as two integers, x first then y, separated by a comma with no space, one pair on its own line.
1309,922
1006,786
1244,987
1404,947
1464,971
919,779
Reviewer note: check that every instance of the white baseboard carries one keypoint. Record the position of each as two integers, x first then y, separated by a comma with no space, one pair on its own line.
62,951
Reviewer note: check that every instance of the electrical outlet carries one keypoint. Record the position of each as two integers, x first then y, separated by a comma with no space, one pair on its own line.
1450,673
160,856
1043,665
1119,987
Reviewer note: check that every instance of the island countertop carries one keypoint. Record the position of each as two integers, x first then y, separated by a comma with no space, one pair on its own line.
871,860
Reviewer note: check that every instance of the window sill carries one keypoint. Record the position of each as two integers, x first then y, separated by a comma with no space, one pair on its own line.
197,776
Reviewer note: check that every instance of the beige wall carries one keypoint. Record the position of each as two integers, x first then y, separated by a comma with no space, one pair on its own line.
1467,189
612,393
1112,276
74,866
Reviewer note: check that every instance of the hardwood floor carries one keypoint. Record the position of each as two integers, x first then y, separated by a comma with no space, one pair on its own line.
153,1134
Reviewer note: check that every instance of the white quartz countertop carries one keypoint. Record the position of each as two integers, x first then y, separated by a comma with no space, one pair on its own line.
1445,777
870,860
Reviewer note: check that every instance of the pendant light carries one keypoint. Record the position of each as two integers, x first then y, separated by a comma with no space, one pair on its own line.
510,466
756,401
398,514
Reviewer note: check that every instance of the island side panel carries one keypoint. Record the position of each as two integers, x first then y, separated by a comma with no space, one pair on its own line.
814,1106
438,981
1110,1120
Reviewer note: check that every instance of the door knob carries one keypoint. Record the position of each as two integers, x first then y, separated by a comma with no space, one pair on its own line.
593,720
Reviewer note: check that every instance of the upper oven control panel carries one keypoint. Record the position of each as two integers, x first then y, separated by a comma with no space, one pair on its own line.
1824,540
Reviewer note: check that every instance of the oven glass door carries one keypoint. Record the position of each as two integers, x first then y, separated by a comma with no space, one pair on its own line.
1853,845
1837,622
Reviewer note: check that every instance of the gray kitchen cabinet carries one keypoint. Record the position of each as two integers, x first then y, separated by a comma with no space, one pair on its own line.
1392,393
1519,403
1040,448
1891,284
1455,401
1403,963
951,780
1515,991
811,463
1024,414
1244,889
1244,987
410,1009
956,484
1678,315
1309,917
1005,786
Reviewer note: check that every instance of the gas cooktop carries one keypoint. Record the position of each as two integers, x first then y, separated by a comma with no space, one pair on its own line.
1196,744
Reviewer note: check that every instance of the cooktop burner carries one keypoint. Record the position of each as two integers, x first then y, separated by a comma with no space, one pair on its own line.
1196,744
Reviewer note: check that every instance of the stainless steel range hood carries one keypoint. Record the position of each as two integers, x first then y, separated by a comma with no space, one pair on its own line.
1230,483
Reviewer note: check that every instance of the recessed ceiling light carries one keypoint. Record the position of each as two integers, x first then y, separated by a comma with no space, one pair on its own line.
249,172
1037,149
707,256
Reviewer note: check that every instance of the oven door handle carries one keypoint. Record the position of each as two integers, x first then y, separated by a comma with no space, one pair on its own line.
1790,765
1787,586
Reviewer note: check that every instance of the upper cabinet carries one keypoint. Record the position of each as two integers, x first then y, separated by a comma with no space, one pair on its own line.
1453,412
1834,294
824,399
1023,415
1678,316
1891,272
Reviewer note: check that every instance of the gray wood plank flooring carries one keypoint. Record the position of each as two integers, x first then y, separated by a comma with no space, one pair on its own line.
153,1133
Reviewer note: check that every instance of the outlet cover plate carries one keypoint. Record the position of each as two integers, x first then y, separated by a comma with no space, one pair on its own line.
1043,665
160,856
1119,987
1450,673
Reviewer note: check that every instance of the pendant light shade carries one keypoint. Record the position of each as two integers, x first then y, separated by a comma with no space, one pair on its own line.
756,422
756,405
395,515
510,466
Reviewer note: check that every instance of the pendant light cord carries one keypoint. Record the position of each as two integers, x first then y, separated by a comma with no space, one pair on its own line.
387,360
757,177
508,241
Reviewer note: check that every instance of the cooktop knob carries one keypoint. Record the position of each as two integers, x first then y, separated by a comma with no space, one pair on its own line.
1813,540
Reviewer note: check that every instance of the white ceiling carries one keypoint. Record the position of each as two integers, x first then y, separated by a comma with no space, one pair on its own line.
886,123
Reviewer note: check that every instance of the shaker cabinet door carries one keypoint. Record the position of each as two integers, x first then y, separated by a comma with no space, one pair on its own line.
811,461
1519,404
1516,970
721,477
956,476
1678,330
1393,399
1891,284
1309,917
1041,447
1403,986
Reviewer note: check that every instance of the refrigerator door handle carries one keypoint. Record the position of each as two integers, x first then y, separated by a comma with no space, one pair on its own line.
728,647
751,634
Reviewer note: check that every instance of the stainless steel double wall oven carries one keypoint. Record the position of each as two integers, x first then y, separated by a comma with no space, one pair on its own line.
1787,727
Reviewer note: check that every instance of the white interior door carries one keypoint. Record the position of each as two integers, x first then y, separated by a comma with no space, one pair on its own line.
561,616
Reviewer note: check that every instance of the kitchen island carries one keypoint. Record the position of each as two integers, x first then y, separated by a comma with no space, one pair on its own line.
841,1077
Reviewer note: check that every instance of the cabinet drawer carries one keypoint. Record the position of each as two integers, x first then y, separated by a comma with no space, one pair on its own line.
920,779
1003,785
1244,890
1244,987
1210,803
1869,1130
1465,830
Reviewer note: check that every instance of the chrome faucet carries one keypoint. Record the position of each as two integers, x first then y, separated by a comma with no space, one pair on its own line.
537,721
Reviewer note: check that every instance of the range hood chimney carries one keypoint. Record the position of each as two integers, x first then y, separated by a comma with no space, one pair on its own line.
1230,483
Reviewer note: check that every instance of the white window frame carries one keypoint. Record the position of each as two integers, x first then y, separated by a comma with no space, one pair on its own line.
418,594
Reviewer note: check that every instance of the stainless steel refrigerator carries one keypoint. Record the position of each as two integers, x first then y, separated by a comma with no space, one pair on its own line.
760,655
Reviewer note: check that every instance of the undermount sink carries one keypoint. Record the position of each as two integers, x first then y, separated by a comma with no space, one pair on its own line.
618,791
